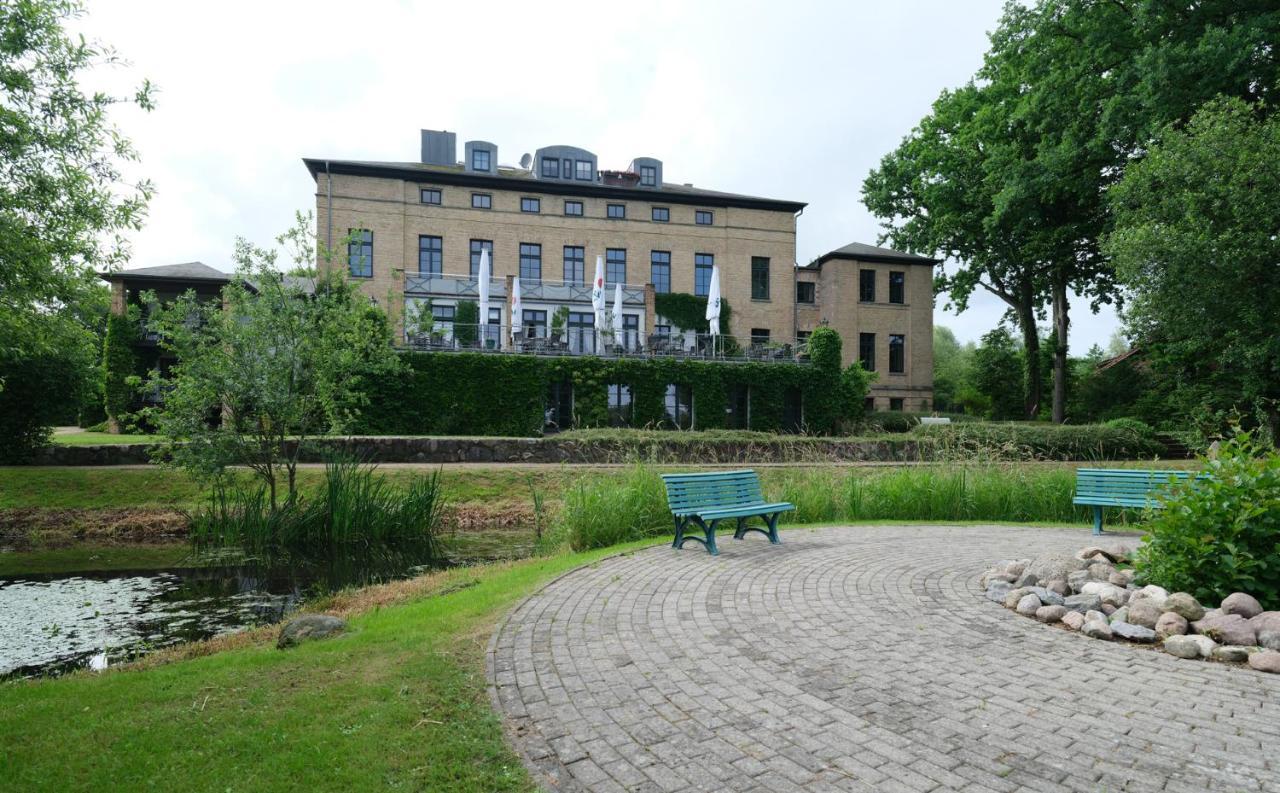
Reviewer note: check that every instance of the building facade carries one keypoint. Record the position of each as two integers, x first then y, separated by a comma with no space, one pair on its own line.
411,234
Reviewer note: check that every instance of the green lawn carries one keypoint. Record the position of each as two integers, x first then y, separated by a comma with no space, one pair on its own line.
399,703
86,438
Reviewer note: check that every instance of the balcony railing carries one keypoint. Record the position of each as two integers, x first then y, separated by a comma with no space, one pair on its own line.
464,287
540,340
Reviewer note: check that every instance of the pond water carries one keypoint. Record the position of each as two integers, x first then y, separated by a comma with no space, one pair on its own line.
52,623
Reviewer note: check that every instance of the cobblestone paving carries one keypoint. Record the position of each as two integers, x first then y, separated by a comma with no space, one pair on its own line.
857,659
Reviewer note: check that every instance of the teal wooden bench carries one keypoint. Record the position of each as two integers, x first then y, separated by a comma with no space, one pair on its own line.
1122,487
707,499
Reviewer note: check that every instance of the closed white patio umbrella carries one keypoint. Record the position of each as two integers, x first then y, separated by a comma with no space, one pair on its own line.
597,299
617,315
483,277
713,306
515,307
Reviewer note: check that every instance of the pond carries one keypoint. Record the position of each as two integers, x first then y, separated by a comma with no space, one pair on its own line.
53,622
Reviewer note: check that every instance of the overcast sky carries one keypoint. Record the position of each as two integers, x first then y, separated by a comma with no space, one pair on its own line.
795,100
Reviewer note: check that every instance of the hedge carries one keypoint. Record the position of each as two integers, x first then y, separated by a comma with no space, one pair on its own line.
448,393
1040,441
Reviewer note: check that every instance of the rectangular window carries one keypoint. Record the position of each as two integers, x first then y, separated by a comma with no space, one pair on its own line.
430,255
661,215
802,336
631,332
530,262
678,406
702,264
759,336
550,168
897,287
530,204
476,247
660,271
869,404
897,353
566,168
558,410
895,403
573,208
619,404
648,176
615,265
867,351
534,323
616,211
479,159
867,286
806,292
583,170
360,253
581,329
481,201
759,278
441,313
702,217
430,195
793,410
575,271
738,407
662,330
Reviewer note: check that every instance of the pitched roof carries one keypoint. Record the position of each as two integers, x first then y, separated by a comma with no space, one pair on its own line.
184,271
520,179
860,251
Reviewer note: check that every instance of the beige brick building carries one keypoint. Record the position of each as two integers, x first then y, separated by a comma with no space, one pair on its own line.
416,230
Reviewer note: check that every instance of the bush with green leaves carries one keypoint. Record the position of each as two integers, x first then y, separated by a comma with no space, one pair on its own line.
1220,532
1037,441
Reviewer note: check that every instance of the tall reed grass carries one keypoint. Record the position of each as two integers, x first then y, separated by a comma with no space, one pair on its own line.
606,511
354,505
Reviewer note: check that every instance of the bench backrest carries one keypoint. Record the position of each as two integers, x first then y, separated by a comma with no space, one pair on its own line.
1126,485
689,493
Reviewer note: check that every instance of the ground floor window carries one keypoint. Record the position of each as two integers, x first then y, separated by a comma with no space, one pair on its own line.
869,404
619,405
738,408
792,410
534,323
581,328
558,412
679,406
895,403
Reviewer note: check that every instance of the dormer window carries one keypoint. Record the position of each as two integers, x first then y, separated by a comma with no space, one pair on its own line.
566,168
550,168
648,176
584,170
480,160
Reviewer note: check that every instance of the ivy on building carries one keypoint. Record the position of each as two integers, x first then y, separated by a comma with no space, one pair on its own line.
119,364
689,312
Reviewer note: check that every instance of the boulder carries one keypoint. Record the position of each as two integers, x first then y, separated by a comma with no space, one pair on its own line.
1119,553
1095,616
1121,578
1051,613
1227,629
308,627
1028,605
1269,639
1266,621
991,578
1059,586
1096,629
1152,592
1265,661
1185,605
1110,593
998,590
1014,568
1088,554
1048,566
1109,609
1170,624
1245,605
1232,652
1028,578
1015,595
1145,611
1119,615
1047,596
1189,646
1101,571
1083,603
1073,620
1134,633
1077,579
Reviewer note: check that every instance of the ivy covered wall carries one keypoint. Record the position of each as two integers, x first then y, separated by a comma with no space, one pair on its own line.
449,393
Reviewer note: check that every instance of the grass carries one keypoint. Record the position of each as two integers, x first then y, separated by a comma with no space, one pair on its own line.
86,438
399,702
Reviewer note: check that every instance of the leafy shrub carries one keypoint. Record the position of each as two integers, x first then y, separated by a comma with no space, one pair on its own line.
1221,533
1136,426
119,365
890,421
34,393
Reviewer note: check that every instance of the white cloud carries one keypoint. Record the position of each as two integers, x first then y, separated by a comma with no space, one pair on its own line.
795,100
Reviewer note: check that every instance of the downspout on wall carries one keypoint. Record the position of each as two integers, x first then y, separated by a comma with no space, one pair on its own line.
795,278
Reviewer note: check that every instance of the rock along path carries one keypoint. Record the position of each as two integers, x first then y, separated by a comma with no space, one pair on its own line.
859,659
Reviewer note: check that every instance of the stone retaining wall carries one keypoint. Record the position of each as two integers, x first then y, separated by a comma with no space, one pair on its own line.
540,450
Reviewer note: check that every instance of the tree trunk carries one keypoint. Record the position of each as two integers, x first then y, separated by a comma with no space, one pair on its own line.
1031,348
1060,327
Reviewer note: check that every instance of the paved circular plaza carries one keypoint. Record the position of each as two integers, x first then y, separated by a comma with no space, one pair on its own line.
862,659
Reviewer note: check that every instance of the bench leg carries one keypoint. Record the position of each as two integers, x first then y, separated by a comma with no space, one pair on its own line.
1097,520
773,529
709,531
679,540
771,521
